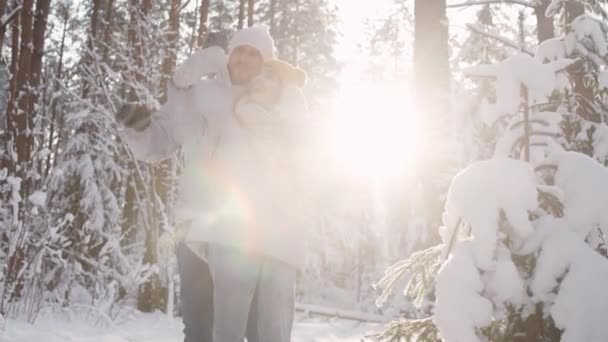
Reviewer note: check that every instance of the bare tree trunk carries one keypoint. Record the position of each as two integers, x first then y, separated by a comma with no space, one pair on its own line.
296,34
8,136
272,14
192,42
22,137
21,119
107,34
241,14
545,28
138,14
284,15
431,69
574,9
40,23
59,75
3,28
202,27
152,295
91,44
168,65
250,12
10,106
431,92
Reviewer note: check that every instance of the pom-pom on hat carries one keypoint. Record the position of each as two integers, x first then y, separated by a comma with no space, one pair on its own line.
257,36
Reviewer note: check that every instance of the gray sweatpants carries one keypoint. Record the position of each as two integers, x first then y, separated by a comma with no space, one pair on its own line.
251,295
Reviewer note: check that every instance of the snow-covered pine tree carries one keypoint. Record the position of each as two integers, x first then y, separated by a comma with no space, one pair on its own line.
85,261
522,232
93,185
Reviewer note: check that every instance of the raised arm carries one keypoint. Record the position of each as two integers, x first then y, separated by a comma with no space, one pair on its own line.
156,135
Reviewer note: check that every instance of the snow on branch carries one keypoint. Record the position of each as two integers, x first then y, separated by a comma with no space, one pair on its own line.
487,2
423,329
5,19
553,8
521,69
480,193
421,268
504,41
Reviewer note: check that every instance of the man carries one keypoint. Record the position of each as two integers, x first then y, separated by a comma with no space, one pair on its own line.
239,257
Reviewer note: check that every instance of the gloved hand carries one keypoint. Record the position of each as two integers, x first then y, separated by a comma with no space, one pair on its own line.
202,63
134,116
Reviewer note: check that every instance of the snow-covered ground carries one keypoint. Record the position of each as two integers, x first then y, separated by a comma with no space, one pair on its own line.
82,327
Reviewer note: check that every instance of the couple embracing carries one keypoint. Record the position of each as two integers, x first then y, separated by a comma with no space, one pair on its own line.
239,119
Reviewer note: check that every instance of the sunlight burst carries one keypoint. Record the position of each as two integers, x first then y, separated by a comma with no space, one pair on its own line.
374,132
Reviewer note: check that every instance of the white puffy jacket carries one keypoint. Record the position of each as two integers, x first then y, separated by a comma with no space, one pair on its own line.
227,190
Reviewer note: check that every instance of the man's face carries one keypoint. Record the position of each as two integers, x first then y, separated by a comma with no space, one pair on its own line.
245,62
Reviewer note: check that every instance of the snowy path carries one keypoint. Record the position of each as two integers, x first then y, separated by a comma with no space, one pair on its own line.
158,328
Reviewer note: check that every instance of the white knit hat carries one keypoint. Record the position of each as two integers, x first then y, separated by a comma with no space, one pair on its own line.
257,36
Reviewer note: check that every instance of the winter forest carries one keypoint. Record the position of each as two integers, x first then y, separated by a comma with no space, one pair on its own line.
456,178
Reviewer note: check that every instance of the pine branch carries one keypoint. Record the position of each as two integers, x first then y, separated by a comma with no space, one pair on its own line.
487,2
423,266
502,40
6,19
410,330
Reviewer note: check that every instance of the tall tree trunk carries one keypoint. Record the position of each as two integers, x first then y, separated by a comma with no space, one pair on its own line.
40,23
10,106
152,296
168,65
21,118
574,9
545,28
107,33
250,12
87,60
284,15
272,16
7,137
241,14
3,28
138,15
296,33
431,69
203,23
58,77
22,139
192,42
431,93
